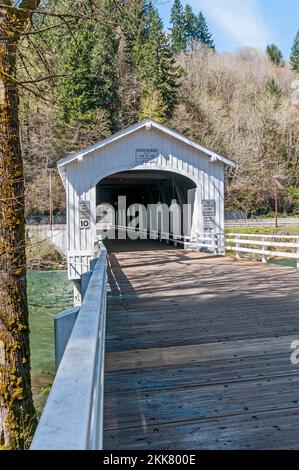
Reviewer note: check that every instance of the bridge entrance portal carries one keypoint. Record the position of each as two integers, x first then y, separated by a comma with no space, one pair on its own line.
151,189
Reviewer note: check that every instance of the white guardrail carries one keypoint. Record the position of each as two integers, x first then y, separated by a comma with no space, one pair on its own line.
73,415
265,246
209,241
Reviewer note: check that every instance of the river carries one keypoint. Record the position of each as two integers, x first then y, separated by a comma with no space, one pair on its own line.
49,292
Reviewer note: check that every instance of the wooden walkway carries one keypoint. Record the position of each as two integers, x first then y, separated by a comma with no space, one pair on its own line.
198,352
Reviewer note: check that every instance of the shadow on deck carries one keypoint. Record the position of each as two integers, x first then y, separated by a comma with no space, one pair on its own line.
198,352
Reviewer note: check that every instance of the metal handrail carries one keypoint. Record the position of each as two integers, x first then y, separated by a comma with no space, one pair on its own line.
73,415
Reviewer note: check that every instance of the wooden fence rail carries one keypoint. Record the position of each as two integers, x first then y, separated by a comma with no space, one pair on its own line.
264,245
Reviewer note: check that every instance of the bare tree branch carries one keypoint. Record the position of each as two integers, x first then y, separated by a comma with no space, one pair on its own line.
42,30
43,79
27,12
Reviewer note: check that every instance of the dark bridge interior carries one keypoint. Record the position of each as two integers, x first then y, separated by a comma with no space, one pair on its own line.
140,187
145,187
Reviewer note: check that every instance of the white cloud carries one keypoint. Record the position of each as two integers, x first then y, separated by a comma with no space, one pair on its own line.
241,19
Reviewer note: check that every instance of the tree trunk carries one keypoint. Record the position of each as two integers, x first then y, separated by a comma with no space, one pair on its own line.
17,414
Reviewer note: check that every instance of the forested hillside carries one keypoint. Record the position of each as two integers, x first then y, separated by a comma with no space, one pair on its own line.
105,75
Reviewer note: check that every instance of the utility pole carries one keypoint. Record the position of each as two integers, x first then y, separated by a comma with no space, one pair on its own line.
50,197
277,186
276,201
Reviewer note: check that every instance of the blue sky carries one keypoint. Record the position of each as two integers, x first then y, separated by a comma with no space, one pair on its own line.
237,23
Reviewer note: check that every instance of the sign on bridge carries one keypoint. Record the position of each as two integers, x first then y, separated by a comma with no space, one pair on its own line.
84,215
145,155
209,207
209,212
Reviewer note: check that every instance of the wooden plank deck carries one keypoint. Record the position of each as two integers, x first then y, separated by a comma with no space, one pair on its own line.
198,352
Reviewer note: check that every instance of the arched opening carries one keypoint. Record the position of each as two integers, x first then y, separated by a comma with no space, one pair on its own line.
142,187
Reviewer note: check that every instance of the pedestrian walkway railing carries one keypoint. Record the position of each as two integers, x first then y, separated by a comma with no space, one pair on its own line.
73,415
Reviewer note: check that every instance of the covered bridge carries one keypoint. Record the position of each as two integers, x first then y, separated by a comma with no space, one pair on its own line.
149,164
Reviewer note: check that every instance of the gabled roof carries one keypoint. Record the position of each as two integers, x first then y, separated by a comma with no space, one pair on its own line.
147,123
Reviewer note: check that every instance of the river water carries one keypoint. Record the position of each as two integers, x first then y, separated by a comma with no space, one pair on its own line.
49,292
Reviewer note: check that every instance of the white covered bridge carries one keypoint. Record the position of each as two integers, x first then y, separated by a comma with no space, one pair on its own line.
171,346
148,163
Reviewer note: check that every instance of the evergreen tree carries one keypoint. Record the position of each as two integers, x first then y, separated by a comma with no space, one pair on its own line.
87,58
294,59
203,34
272,88
104,62
275,54
178,31
133,23
190,25
75,94
196,29
128,84
156,64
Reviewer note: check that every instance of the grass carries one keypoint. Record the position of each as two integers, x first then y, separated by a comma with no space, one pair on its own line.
283,230
289,263
271,215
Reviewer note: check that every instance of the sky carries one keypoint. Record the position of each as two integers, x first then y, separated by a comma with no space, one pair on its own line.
239,23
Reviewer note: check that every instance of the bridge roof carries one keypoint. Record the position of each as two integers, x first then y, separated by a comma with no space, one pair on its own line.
148,124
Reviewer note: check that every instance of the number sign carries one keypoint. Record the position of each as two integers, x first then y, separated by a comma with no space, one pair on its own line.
84,215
